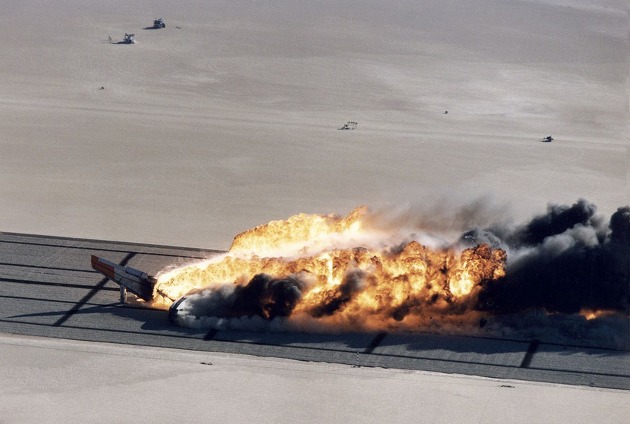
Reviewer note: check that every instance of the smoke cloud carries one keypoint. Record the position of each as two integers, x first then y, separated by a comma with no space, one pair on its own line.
336,299
561,263
263,296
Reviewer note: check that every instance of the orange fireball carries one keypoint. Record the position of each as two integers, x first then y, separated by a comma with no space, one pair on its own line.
335,269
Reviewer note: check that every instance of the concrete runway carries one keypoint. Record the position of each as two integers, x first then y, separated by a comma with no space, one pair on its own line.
47,288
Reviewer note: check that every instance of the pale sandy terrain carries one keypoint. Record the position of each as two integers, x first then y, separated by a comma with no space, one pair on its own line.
59,381
231,120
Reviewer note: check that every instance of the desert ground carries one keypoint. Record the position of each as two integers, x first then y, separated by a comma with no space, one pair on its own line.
60,381
228,118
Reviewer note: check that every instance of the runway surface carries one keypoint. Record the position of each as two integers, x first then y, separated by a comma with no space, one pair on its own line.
47,288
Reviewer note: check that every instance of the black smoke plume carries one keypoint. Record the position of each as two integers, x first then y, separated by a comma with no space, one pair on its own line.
557,220
563,261
267,297
263,296
338,297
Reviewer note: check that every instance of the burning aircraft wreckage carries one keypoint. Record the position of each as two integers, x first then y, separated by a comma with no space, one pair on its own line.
366,272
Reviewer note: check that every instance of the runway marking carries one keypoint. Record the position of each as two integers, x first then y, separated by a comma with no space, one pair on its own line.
91,293
52,268
376,341
99,249
490,364
192,337
47,283
98,241
529,355
35,299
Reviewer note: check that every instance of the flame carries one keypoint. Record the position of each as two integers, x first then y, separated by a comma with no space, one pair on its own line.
307,230
591,314
345,272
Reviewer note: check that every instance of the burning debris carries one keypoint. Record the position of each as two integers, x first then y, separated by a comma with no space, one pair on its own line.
323,275
360,273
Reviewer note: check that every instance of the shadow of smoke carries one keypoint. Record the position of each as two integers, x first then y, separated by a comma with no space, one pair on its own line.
127,319
441,345
346,342
505,335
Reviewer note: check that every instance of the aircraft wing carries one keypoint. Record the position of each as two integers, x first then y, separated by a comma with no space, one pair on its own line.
139,283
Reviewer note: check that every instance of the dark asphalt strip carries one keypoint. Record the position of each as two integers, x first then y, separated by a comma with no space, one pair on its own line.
47,283
100,249
311,348
47,268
